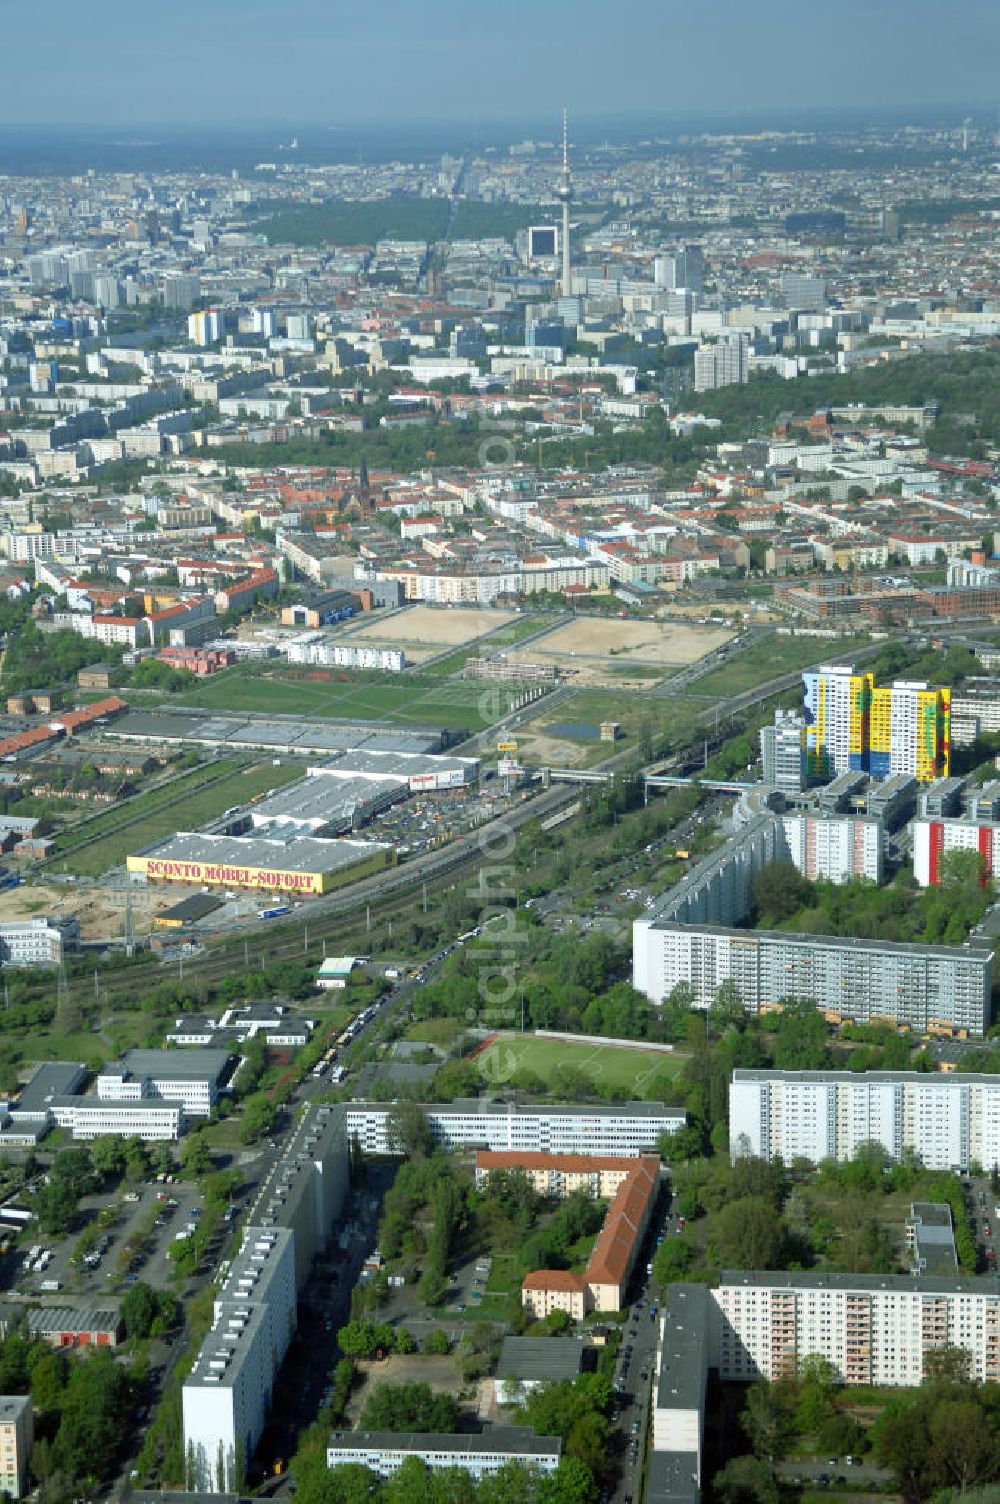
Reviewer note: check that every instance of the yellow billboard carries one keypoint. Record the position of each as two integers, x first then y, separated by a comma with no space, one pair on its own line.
506,746
223,874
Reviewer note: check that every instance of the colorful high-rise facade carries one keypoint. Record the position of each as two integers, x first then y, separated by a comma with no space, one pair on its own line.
854,726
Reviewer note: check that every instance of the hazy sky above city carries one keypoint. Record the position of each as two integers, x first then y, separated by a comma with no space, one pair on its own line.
348,62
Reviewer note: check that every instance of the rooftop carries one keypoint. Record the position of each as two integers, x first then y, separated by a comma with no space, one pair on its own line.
519,1439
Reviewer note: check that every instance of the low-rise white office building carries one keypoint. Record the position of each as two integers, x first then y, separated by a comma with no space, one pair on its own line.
191,1077
386,1451
149,1119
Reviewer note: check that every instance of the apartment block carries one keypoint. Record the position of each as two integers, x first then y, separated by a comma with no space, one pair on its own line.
836,848
873,1329
226,1396
628,1130
17,1434
951,1121
852,724
933,988
933,839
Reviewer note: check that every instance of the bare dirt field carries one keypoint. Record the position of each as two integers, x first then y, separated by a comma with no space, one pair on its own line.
643,641
627,654
101,911
431,627
439,1373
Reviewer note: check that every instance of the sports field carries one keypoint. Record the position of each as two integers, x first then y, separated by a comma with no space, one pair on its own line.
410,701
639,1073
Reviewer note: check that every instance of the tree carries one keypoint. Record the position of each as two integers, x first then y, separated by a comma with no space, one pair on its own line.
408,1407
138,1310
745,1480
766,1420
749,1234
55,1206
258,1120
571,1483
107,1155
195,1157
408,1131
437,1342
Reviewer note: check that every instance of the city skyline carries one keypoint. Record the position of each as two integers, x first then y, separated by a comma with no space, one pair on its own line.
346,64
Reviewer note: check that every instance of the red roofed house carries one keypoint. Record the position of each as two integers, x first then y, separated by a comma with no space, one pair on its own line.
632,1184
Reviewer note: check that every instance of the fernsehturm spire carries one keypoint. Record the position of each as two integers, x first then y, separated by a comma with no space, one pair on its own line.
564,192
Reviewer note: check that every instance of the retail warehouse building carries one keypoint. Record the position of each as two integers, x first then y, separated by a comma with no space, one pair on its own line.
273,864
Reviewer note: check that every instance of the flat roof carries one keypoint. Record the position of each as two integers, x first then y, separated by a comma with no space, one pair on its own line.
472,1106
519,1439
971,951
951,1080
671,1478
54,1078
175,1065
321,800
291,853
196,906
867,1284
540,1358
680,1383
326,733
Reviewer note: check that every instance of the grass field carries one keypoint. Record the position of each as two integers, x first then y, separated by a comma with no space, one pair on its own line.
632,1072
765,660
158,819
411,701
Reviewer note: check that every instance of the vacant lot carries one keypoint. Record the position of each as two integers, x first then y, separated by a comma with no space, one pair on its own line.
632,1072
568,735
101,911
439,1373
645,641
765,660
430,627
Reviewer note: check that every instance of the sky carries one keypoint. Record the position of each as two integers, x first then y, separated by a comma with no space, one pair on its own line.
343,63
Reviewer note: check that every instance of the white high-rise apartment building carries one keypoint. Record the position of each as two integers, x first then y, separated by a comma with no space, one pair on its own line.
950,1121
873,1329
724,364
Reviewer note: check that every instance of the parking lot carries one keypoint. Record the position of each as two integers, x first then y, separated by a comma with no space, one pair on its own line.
139,1233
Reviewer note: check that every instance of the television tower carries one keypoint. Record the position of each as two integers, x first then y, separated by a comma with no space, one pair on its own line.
564,193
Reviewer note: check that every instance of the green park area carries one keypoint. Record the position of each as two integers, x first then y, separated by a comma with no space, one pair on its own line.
357,223
407,698
186,803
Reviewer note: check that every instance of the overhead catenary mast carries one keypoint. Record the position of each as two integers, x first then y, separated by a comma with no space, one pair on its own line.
564,193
